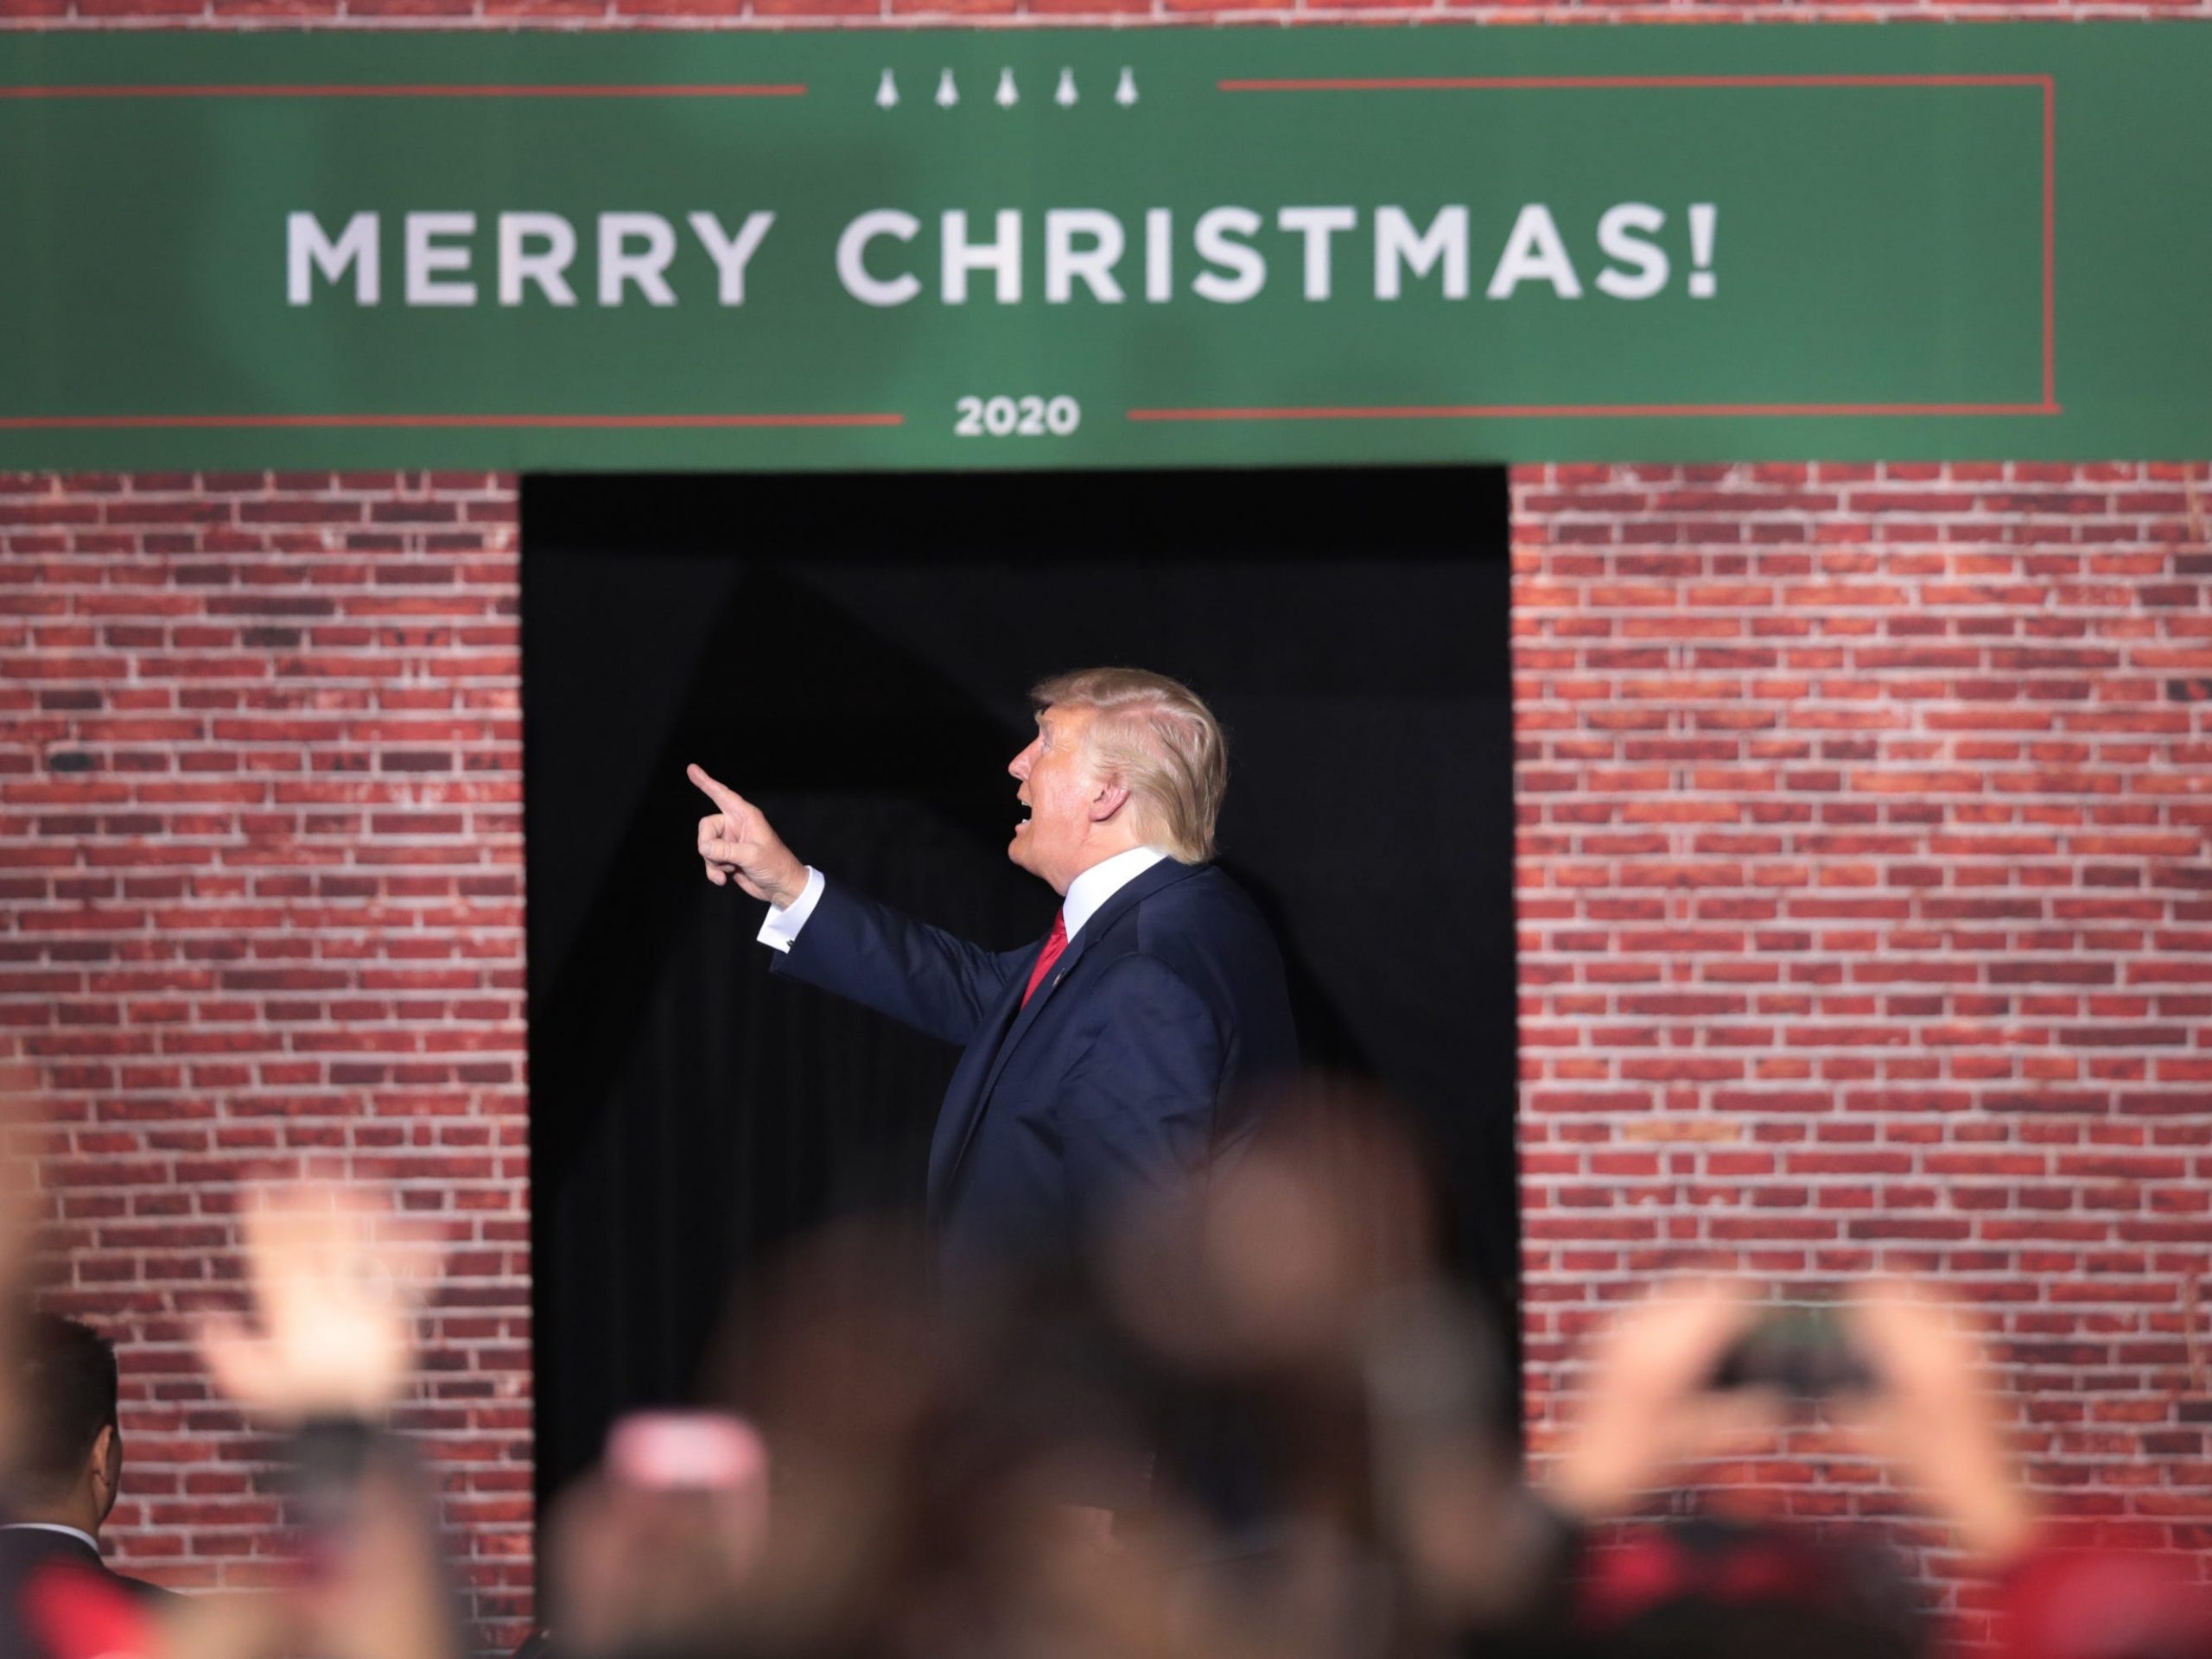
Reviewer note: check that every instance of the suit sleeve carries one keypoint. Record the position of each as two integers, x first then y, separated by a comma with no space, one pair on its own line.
896,965
1136,1109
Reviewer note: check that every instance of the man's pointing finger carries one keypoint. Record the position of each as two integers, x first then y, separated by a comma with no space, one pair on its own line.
722,795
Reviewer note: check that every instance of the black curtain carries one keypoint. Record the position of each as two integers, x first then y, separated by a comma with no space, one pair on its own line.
853,652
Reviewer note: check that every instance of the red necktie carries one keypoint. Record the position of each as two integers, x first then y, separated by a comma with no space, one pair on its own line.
1055,942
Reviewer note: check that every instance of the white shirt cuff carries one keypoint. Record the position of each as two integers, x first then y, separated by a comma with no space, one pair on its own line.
782,925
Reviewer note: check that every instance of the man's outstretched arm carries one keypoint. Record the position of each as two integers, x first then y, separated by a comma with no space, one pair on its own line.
834,938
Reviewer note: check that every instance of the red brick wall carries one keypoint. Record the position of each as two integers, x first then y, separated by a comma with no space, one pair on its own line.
261,915
1865,902
1866,906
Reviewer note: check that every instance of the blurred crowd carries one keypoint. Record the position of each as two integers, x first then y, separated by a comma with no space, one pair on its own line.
1258,1422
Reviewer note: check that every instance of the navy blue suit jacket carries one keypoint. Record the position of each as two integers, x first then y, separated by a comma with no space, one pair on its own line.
1134,1059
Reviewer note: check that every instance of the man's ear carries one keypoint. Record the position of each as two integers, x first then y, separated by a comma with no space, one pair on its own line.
1108,800
107,1466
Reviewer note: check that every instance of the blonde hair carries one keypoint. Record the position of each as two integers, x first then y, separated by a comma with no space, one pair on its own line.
1161,741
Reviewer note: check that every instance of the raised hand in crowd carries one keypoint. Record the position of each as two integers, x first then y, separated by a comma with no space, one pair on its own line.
1648,1407
335,1305
1932,1417
652,1549
326,1355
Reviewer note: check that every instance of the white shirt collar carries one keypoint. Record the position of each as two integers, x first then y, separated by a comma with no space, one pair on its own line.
85,1538
1102,881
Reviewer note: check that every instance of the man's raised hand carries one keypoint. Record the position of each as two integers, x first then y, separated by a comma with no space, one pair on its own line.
336,1305
735,843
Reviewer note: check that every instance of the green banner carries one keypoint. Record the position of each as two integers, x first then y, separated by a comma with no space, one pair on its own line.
1105,249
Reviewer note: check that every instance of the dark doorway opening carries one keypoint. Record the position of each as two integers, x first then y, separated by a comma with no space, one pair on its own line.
853,652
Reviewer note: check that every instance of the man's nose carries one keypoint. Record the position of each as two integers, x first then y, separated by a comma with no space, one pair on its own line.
1018,767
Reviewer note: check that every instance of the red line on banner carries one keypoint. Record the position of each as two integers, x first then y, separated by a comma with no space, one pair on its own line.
1549,411
2050,243
1557,83
788,90
81,422
2050,404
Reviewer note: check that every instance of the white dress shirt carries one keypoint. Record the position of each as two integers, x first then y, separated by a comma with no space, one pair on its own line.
1089,891
1085,895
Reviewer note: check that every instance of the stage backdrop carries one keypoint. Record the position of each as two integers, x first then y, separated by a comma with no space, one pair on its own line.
1086,249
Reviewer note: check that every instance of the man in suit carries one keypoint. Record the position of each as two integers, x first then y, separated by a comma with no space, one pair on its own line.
1114,1055
68,1462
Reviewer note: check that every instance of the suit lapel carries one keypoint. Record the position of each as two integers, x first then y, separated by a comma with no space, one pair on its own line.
954,1148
